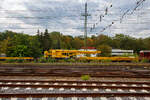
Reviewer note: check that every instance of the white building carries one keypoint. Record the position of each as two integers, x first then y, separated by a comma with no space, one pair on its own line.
3,55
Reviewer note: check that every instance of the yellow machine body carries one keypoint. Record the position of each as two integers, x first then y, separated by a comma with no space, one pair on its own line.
67,53
74,53
111,58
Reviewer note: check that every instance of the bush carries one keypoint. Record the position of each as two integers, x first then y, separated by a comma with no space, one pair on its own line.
10,61
71,60
106,61
85,77
105,50
135,61
144,60
82,60
61,61
51,60
42,60
16,61
20,60
94,61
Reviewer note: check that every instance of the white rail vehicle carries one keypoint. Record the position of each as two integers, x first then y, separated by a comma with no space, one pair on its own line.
119,52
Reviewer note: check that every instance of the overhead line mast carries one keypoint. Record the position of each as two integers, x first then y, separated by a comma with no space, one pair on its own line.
85,26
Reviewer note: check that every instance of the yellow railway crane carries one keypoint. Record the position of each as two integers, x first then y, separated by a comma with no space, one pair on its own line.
67,53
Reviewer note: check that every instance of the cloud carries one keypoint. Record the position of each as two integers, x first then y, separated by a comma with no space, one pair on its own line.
65,16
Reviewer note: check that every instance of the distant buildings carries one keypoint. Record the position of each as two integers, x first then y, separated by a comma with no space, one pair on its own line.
3,55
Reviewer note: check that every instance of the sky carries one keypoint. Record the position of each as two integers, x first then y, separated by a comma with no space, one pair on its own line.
65,16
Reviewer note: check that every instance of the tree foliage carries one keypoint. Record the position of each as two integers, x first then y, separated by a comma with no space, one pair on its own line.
19,44
44,40
105,50
19,51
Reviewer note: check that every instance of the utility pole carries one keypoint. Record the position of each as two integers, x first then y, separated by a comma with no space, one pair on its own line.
85,26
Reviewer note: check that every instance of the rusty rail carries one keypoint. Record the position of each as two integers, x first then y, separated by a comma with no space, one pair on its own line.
39,95
68,81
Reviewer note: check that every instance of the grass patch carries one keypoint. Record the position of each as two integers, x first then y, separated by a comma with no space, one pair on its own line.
85,77
145,60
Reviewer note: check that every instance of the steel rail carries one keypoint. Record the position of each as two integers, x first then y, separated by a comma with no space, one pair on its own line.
89,82
39,95
76,75
77,86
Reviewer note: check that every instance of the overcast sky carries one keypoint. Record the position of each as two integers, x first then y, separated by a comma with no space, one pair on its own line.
65,16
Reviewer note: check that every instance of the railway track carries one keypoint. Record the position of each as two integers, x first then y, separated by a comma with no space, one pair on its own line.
74,90
77,71
14,89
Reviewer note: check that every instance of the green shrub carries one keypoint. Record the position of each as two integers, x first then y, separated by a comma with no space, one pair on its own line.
10,61
82,60
35,61
16,61
144,60
42,60
106,61
135,61
85,77
61,61
105,50
51,60
20,61
71,60
94,61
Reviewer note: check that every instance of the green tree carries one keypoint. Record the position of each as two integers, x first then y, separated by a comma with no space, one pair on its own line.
34,47
4,45
121,41
0,47
77,43
103,40
6,34
20,46
66,42
39,36
56,40
146,43
19,51
46,40
117,40
90,42
105,50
